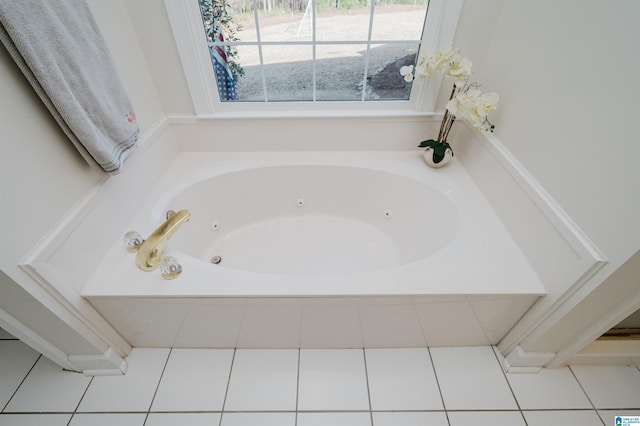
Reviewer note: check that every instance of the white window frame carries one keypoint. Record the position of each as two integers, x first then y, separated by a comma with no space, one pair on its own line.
186,24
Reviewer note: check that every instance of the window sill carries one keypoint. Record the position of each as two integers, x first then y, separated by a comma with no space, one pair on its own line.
317,114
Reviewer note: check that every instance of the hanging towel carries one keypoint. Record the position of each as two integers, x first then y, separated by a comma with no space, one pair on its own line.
60,50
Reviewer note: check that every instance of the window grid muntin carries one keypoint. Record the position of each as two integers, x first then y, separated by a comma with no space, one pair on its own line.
313,43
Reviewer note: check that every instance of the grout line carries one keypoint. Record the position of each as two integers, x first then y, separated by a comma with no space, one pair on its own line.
226,391
298,386
75,410
366,378
164,367
435,373
586,394
506,379
20,384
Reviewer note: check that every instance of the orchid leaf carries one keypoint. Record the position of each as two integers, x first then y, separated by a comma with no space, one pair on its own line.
438,153
432,143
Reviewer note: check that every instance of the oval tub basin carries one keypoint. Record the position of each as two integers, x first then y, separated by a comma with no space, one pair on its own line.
318,249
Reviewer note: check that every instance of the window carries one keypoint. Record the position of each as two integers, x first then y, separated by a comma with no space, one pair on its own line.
308,54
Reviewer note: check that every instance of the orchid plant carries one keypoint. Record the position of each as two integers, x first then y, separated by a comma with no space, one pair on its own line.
465,101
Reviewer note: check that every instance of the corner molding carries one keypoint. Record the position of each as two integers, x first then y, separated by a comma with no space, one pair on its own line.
51,290
520,361
48,285
519,191
563,223
107,364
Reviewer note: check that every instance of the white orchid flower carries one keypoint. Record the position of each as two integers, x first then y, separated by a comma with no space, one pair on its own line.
407,72
487,102
466,100
459,71
474,106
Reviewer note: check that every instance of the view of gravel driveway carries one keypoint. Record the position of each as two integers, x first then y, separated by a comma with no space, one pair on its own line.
339,67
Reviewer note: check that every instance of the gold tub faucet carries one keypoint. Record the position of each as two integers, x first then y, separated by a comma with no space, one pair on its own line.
149,252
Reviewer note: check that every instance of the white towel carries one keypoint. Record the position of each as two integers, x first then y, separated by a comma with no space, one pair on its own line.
59,48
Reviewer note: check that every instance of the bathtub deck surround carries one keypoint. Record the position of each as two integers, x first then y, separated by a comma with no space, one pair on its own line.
346,249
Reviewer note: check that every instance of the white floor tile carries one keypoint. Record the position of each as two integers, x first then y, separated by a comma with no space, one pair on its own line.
486,418
186,419
471,379
48,388
131,392
16,359
4,334
570,417
334,419
108,419
332,379
258,419
549,388
410,419
402,379
263,380
34,419
610,386
194,380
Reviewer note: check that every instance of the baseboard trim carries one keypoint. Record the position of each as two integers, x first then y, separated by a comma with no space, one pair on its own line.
27,336
107,364
520,361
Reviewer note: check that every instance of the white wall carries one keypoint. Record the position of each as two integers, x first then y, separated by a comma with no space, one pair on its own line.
566,73
154,33
42,177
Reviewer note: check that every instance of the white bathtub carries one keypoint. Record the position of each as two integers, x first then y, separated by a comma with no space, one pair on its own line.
319,249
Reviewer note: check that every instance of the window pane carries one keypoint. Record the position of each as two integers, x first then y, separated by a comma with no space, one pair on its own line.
384,80
274,59
282,25
246,23
340,24
221,28
289,72
339,72
249,87
393,20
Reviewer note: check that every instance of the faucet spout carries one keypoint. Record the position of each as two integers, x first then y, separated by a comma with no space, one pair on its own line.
150,252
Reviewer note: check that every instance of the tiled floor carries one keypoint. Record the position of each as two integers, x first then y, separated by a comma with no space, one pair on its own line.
351,387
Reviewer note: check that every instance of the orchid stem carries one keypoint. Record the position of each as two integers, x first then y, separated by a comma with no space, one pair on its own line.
447,121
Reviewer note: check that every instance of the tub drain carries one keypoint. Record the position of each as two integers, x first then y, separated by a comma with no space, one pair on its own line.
216,259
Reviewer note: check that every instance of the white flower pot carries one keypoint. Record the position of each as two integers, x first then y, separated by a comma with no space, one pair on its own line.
428,157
